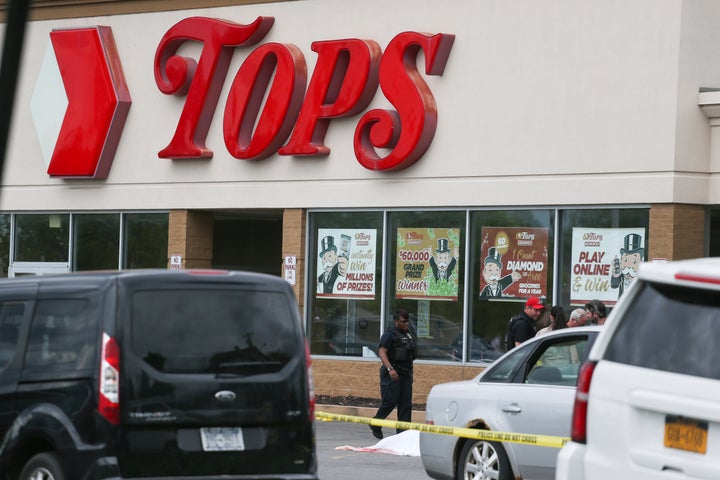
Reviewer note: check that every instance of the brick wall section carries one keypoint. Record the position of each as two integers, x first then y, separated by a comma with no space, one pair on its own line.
362,379
677,231
190,234
293,243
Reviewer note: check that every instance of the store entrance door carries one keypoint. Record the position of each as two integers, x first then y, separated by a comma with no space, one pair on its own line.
248,240
18,269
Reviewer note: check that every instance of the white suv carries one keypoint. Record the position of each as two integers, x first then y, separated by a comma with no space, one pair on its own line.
648,398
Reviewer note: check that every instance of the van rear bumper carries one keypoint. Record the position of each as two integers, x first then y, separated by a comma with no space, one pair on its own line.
224,477
106,468
215,477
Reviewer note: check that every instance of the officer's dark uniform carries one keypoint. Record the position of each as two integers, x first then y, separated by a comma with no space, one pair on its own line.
402,350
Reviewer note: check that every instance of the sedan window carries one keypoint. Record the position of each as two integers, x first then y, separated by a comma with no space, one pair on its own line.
557,362
504,370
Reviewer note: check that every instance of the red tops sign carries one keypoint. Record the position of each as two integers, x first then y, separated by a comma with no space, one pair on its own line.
344,82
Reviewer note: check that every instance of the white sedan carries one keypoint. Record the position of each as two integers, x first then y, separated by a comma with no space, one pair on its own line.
530,389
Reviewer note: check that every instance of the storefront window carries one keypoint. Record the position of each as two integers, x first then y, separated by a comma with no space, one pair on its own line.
513,255
146,239
4,244
714,240
96,241
42,237
425,265
600,250
512,260
344,282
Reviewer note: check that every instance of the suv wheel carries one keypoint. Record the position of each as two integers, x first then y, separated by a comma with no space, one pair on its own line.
482,460
43,466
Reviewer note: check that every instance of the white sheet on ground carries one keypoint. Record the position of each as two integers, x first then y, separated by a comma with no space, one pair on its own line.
406,443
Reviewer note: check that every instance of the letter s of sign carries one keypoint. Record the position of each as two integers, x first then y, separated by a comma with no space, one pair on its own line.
201,81
410,130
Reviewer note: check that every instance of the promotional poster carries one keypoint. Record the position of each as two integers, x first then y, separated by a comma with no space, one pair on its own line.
427,263
346,263
514,263
604,263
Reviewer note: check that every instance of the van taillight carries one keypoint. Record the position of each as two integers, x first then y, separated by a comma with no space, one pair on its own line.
311,387
579,421
109,399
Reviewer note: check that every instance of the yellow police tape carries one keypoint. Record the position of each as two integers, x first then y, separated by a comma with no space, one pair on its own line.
525,438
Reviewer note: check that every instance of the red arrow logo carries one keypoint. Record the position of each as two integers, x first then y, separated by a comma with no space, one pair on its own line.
98,102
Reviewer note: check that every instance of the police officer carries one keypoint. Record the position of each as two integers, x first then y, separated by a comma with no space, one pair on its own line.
398,349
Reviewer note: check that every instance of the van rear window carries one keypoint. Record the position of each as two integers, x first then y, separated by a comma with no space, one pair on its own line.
672,329
233,332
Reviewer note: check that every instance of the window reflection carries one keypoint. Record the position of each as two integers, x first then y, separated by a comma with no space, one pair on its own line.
146,239
447,330
42,237
344,317
96,243
4,244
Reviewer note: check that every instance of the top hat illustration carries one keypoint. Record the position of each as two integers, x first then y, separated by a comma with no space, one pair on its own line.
442,245
493,256
327,244
633,244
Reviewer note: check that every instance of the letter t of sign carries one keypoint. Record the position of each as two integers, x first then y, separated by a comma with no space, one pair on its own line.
201,81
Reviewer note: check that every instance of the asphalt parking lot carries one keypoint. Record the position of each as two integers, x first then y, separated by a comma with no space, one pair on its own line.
334,464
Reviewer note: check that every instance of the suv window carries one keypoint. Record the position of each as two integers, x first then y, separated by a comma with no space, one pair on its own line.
672,329
62,336
213,331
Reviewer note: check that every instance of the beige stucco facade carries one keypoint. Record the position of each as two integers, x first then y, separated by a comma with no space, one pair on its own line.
541,104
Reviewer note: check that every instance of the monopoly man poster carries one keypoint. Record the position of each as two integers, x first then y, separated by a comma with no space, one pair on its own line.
427,263
604,263
514,263
346,263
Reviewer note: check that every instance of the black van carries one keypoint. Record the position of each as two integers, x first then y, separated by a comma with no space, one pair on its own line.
154,374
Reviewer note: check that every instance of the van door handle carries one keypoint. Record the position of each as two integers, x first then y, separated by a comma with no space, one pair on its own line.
512,408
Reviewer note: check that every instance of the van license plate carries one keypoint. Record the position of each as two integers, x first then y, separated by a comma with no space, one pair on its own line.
222,439
686,434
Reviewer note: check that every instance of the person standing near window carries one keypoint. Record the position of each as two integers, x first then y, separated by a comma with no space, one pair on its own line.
398,350
578,318
557,320
522,325
597,312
